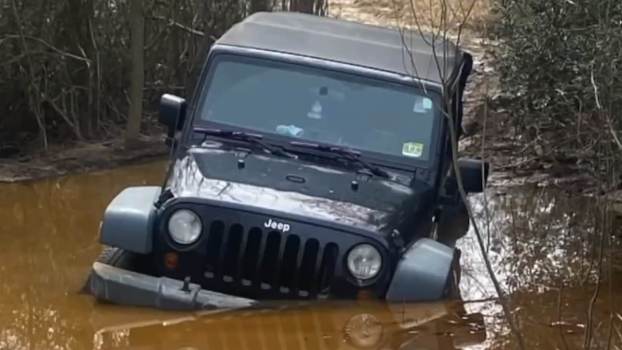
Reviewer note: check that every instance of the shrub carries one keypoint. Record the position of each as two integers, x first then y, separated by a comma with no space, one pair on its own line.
560,64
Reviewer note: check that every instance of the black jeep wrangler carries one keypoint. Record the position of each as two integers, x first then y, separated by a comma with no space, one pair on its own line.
314,161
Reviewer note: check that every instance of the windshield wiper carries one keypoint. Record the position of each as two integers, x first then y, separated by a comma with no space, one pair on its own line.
255,139
349,154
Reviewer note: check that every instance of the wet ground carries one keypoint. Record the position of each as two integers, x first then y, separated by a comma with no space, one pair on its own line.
545,247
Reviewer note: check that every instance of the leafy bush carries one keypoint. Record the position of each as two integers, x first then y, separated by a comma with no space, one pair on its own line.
561,70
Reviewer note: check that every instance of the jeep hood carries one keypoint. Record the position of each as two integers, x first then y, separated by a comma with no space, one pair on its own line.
298,187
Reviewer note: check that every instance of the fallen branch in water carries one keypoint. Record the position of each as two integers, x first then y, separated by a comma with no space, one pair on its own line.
483,300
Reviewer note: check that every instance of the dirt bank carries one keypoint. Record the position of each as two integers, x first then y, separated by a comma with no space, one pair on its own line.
79,157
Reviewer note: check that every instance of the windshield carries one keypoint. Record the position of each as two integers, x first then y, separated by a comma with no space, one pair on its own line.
316,105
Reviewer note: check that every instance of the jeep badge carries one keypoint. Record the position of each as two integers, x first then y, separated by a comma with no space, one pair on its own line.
276,225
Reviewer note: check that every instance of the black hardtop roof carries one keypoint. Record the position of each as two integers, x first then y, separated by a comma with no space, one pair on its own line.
407,53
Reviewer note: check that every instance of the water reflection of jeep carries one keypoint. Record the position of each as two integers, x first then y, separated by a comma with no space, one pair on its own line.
312,162
325,325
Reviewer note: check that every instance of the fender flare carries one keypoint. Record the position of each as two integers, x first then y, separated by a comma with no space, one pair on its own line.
129,219
422,272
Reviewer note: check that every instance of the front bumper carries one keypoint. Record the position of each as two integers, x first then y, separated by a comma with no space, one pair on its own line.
125,287
414,280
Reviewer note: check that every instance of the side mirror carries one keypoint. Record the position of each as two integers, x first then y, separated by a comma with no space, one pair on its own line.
474,174
172,114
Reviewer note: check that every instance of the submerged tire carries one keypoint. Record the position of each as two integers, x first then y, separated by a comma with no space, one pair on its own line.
122,259
117,257
453,224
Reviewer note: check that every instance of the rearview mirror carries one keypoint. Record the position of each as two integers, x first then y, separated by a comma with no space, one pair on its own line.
172,111
172,114
474,174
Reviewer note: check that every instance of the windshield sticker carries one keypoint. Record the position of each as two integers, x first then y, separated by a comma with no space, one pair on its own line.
422,105
412,149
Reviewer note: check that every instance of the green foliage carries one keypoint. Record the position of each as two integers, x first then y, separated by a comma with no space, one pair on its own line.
64,65
561,68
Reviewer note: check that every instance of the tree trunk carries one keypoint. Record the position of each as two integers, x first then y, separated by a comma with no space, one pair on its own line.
304,6
138,71
259,5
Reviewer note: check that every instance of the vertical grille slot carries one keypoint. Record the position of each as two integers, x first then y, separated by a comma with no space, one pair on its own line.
214,240
232,251
250,258
276,283
327,267
269,260
289,263
307,267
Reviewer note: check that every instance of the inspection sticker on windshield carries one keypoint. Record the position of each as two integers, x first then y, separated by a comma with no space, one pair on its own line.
412,149
422,105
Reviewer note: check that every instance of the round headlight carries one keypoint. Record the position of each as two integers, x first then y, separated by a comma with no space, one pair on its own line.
364,261
184,226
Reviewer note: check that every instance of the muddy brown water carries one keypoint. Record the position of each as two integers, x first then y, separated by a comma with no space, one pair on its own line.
543,244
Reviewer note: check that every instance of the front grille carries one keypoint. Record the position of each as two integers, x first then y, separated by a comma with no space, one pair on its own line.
269,263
